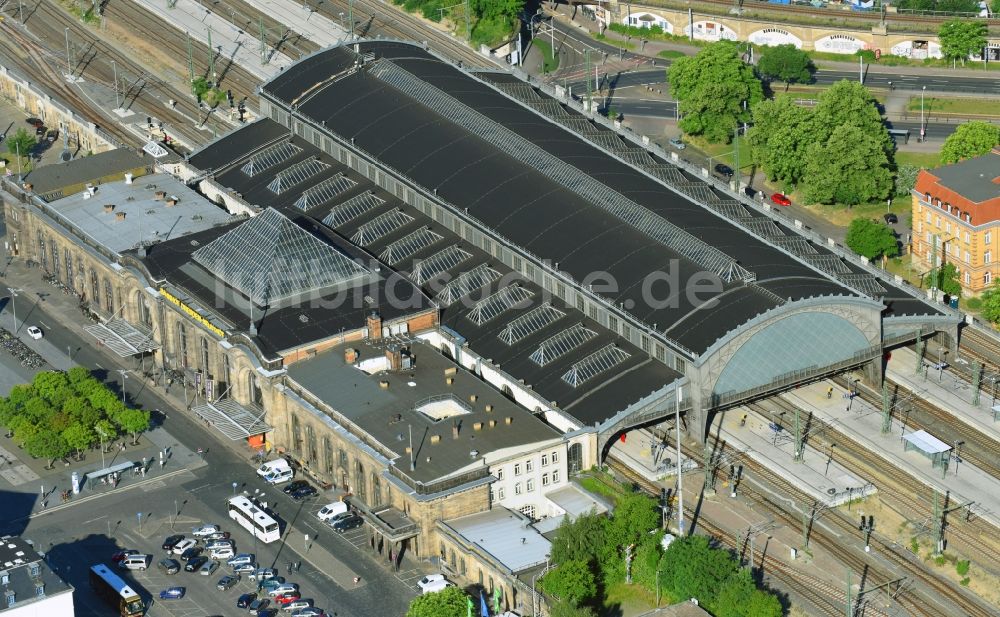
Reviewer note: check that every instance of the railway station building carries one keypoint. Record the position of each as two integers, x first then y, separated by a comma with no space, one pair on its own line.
447,290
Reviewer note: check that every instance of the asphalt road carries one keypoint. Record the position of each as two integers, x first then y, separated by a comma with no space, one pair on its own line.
77,534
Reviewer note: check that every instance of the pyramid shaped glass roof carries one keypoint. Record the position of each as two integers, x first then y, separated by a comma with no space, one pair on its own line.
269,258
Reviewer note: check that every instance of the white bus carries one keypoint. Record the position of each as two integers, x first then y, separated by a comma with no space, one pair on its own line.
253,519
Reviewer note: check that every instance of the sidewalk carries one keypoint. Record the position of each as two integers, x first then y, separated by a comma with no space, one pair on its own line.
863,424
945,390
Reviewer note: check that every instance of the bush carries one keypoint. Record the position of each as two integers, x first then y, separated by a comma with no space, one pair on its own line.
962,567
973,304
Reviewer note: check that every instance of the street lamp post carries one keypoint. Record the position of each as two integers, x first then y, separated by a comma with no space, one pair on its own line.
124,377
922,126
13,307
234,489
100,434
534,594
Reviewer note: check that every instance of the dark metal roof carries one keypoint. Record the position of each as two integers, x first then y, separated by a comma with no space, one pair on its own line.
57,176
977,179
536,212
591,401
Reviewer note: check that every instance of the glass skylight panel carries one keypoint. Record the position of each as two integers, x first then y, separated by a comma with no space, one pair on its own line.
529,323
466,283
561,344
269,258
352,209
380,226
296,174
602,360
442,261
492,306
269,157
409,245
324,191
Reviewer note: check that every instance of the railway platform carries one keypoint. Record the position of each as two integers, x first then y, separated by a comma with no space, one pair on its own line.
825,480
946,390
306,21
862,423
651,457
231,43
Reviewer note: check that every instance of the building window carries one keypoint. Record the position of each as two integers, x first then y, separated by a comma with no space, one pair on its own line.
545,460
342,457
109,296
530,485
968,277
988,237
204,355
555,476
528,511
182,344
555,458
966,237
327,455
517,488
227,371
545,479
966,256
987,278
95,290
937,222
528,466
987,257
500,495
500,473
69,268
517,469
927,216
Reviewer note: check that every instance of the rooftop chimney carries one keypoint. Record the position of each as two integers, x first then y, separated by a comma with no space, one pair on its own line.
350,355
508,420
160,195
374,323
109,208
128,178
119,216
172,201
393,355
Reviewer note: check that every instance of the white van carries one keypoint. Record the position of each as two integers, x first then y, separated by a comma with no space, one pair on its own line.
332,510
433,582
136,562
279,475
277,464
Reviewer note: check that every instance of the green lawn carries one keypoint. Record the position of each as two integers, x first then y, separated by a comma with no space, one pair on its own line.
615,42
977,107
550,62
926,160
669,54
724,153
623,600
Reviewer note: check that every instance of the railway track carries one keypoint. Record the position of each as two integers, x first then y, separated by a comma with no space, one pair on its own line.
248,18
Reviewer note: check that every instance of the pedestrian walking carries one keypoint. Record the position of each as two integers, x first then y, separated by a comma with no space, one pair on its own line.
142,470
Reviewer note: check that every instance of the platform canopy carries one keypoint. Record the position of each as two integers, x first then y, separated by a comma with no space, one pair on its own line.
232,419
123,338
927,443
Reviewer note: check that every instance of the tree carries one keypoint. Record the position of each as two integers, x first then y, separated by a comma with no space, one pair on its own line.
871,239
786,63
449,602
567,609
133,421
693,569
106,431
850,168
497,9
739,597
960,38
945,278
47,444
21,142
906,179
714,91
634,517
573,582
779,138
991,303
79,437
970,139
580,539
850,103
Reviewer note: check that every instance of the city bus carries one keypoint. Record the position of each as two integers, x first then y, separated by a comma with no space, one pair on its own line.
115,592
254,519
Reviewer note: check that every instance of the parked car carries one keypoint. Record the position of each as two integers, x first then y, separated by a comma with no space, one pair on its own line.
262,574
35,332
120,555
304,492
245,568
172,593
891,218
294,486
212,545
223,552
348,522
310,611
295,605
333,510
240,559
195,563
169,566
51,136
35,122
257,605
282,588
204,530
724,170
191,553
678,143
288,596
269,584
208,568
217,535
781,200
182,545
245,600
267,612
137,561
227,582
171,541
40,131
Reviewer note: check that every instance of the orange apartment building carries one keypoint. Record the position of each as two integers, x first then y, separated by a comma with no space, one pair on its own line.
956,219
